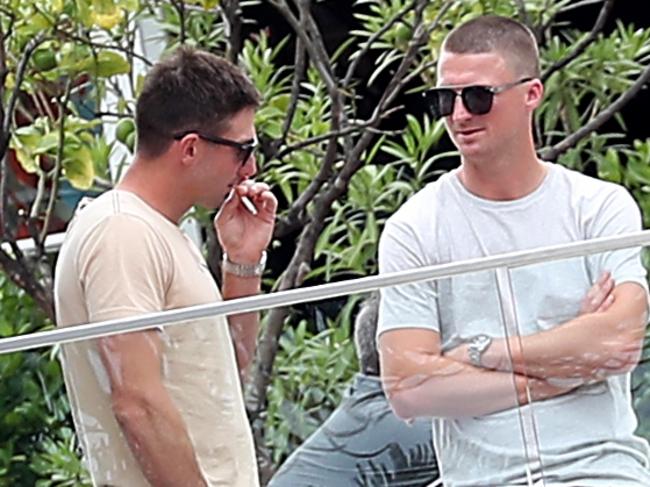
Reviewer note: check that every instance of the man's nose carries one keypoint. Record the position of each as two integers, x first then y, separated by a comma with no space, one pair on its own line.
249,168
459,113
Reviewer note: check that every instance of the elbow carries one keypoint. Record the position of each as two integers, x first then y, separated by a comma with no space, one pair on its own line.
130,408
631,356
624,346
623,357
405,402
402,405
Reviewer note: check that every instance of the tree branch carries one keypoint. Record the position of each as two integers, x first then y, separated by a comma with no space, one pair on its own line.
421,34
581,46
20,76
296,211
334,133
323,201
575,5
316,50
400,78
321,59
368,45
523,14
6,127
552,153
101,45
300,64
295,216
179,5
58,165
41,101
232,18
4,71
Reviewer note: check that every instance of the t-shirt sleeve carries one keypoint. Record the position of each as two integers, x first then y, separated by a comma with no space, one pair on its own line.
124,269
406,305
617,215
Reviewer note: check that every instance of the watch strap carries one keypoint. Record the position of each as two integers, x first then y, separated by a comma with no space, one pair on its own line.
244,270
476,347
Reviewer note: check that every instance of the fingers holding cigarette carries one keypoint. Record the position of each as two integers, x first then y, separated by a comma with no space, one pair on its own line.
248,204
257,198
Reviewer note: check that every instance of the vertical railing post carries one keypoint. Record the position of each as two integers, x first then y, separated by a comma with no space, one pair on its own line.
529,431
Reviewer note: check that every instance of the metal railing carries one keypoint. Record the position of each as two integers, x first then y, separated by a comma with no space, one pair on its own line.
324,291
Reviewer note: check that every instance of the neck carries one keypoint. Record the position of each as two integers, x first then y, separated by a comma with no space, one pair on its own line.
507,176
155,186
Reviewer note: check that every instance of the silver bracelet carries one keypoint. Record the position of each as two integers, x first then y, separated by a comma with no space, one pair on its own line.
244,270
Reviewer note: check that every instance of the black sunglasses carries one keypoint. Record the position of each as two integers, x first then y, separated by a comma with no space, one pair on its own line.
245,149
477,99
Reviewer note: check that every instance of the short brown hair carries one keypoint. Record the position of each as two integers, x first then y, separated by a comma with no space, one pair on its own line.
501,35
189,90
365,330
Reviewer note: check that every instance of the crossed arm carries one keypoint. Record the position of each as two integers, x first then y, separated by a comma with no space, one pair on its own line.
589,347
420,381
606,338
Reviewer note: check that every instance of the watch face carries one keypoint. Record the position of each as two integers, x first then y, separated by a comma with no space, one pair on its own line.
477,346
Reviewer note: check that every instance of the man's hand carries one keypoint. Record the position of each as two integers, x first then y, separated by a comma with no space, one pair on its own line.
244,236
241,234
531,389
599,297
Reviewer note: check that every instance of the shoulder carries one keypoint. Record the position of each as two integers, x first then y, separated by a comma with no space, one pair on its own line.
115,226
589,189
601,207
420,211
116,213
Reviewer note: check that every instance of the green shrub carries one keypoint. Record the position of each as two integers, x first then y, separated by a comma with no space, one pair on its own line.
312,371
37,442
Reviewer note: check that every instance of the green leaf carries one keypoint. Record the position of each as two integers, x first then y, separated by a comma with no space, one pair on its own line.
28,161
107,64
106,14
609,167
638,171
79,168
48,143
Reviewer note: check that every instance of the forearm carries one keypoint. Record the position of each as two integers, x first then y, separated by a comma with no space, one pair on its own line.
589,347
456,389
243,327
584,348
159,441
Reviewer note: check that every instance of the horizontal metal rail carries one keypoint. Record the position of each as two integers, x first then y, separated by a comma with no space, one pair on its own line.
323,291
26,245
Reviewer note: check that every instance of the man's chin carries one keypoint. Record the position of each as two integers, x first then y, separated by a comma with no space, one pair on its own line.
472,151
211,205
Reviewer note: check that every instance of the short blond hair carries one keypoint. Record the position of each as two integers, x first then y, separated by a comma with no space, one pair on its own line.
501,35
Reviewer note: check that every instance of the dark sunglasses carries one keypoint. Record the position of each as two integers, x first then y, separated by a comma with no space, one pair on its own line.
245,149
476,99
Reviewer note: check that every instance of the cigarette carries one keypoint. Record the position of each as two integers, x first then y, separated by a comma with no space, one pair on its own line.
249,205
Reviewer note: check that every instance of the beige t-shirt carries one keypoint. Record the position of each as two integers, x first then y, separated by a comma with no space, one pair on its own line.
122,258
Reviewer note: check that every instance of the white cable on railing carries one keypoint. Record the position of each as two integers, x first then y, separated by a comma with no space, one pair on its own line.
323,291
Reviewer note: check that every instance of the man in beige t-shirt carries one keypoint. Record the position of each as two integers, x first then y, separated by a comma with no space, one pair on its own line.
164,407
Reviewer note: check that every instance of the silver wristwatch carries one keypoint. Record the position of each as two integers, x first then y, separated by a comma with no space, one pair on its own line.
244,270
476,347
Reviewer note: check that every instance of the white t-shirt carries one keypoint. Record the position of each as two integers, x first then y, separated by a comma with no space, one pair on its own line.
122,258
585,436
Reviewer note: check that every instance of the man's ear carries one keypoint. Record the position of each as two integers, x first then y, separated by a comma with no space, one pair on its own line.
535,94
189,149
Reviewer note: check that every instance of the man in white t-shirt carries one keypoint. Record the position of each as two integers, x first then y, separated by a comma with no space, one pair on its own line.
444,351
164,407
